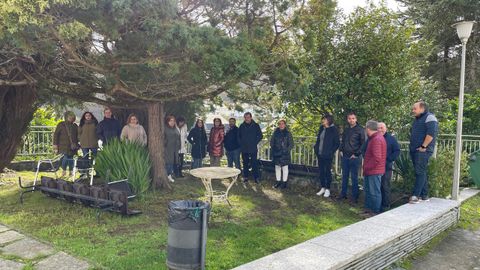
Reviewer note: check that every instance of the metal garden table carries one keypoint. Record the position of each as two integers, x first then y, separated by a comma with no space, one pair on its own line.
207,174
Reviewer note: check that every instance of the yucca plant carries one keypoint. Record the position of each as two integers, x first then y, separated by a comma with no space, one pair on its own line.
120,160
404,168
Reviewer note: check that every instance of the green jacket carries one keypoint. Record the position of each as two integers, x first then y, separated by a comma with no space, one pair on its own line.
87,135
62,139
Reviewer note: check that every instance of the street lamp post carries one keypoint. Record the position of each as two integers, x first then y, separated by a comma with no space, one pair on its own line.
463,30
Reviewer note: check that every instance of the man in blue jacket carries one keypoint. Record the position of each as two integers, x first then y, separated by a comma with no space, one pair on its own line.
393,151
249,135
422,144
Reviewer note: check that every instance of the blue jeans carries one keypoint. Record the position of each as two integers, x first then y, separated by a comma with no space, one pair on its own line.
85,151
234,157
170,168
197,163
420,164
67,160
350,167
373,193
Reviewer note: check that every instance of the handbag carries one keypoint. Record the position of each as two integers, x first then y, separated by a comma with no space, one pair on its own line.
73,146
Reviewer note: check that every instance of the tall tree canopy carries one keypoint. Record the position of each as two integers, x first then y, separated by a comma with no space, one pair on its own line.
143,53
369,64
434,21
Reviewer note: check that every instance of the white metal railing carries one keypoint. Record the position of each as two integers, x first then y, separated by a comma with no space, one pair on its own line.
470,143
39,139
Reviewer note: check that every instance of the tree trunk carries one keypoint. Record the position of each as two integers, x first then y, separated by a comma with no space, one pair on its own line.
17,105
156,147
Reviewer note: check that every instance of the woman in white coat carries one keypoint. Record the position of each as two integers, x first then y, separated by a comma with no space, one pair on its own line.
183,130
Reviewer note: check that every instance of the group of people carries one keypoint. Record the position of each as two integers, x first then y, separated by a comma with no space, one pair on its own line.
371,146
69,137
378,150
236,141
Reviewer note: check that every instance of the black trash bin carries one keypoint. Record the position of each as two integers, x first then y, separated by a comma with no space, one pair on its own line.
187,234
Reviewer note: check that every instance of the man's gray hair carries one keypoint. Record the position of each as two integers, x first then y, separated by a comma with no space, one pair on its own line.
372,125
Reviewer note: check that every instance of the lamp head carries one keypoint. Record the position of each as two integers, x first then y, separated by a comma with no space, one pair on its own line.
464,29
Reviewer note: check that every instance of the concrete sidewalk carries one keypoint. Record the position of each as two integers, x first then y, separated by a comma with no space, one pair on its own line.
18,250
460,250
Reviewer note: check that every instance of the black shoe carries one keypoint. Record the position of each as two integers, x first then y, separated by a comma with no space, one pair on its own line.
340,197
257,181
284,185
245,180
278,184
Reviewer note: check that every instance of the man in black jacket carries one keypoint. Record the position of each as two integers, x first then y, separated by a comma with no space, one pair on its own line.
353,138
232,145
249,135
109,127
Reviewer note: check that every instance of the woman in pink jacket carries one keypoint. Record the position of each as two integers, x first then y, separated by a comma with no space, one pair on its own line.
215,143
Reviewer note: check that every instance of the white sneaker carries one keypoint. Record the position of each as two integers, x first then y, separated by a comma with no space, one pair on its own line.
170,178
327,193
320,193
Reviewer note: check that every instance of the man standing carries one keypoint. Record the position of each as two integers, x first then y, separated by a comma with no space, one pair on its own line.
109,128
374,167
353,138
249,135
422,144
393,151
232,145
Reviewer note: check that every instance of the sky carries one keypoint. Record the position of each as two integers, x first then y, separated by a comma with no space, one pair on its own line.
349,5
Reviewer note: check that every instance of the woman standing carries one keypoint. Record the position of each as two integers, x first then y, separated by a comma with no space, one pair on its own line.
198,138
65,141
133,131
281,144
328,141
87,134
215,143
183,130
172,146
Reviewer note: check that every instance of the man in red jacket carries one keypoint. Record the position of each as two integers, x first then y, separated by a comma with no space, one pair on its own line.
374,167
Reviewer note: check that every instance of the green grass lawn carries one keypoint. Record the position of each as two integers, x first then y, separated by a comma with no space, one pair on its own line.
261,221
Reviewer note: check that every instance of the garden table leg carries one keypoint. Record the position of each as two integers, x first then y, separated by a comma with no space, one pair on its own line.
234,180
207,182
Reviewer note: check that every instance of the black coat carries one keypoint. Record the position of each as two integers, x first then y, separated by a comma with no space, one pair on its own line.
331,142
230,141
198,138
249,135
281,144
352,141
108,128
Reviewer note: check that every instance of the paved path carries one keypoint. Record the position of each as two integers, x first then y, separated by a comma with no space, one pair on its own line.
460,250
18,250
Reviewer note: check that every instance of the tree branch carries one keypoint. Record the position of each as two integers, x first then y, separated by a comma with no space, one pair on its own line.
70,51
